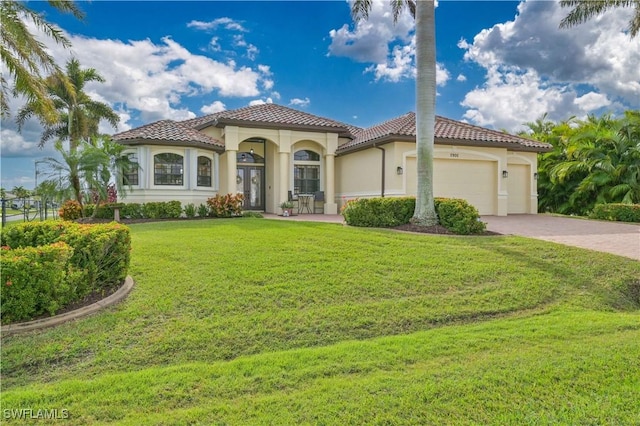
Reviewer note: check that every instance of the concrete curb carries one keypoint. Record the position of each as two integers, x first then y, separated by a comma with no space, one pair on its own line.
116,297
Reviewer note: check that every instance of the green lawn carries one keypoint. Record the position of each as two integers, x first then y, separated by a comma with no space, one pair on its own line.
250,321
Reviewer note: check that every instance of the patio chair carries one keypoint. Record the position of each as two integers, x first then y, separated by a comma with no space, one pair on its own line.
318,196
294,200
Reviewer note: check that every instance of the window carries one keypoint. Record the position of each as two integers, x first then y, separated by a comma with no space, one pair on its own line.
306,179
306,172
204,171
168,169
306,155
130,174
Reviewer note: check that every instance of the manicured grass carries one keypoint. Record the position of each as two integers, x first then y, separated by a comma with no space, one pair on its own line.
253,321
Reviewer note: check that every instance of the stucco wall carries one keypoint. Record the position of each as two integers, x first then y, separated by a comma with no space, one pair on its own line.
188,192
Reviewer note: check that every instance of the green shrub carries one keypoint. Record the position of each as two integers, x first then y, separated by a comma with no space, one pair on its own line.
458,216
190,210
131,211
105,210
36,281
617,212
162,209
203,210
101,253
379,212
225,205
252,214
70,210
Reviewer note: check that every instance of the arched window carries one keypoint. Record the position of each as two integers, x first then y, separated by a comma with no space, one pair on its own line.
306,172
204,171
168,169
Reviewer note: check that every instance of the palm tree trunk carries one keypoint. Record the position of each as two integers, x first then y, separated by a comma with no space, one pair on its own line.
425,213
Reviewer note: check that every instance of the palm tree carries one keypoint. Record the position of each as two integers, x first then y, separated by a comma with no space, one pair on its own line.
115,166
76,172
583,10
79,115
25,57
424,14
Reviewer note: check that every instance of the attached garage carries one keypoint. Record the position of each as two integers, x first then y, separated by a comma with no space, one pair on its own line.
518,187
472,180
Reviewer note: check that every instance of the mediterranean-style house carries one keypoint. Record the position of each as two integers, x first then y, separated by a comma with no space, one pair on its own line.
272,153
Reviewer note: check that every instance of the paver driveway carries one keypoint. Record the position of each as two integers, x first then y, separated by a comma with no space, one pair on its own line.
611,237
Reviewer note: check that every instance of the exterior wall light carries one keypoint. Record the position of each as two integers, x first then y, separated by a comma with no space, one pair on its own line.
399,170
505,174
535,176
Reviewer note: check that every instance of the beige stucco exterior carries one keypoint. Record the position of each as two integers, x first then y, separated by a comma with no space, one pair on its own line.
472,173
268,152
188,192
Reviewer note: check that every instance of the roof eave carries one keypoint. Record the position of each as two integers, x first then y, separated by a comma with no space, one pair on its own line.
512,146
341,131
165,142
376,142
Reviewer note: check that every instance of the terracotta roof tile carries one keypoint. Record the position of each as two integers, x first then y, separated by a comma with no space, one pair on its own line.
169,131
446,131
270,114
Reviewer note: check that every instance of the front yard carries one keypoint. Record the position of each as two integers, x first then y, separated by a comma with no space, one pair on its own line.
249,321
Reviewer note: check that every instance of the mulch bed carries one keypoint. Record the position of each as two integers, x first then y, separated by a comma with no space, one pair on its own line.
436,229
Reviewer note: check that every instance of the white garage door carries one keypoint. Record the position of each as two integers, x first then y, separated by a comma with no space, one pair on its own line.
518,187
474,181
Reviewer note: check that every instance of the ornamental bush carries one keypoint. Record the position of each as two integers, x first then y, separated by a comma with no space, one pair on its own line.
162,210
99,259
379,212
190,210
617,212
225,205
70,210
458,216
36,281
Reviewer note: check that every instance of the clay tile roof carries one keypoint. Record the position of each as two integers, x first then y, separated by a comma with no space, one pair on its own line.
447,131
168,131
270,115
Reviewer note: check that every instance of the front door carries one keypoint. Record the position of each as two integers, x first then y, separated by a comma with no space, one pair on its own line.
250,182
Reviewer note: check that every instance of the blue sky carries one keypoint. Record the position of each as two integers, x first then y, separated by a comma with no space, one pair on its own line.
500,64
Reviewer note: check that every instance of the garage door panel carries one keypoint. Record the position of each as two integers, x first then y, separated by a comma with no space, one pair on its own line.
518,188
474,181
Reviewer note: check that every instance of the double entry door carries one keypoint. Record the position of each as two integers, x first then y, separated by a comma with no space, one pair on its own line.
250,182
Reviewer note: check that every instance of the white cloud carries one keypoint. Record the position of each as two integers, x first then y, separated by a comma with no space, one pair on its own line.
390,46
153,78
592,101
214,44
14,143
217,106
224,22
534,67
302,103
461,78
261,101
369,40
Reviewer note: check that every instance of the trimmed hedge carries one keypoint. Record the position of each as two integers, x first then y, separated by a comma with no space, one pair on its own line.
617,212
456,215
379,212
36,281
99,258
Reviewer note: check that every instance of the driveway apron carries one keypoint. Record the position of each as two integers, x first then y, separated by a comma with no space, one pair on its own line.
622,239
